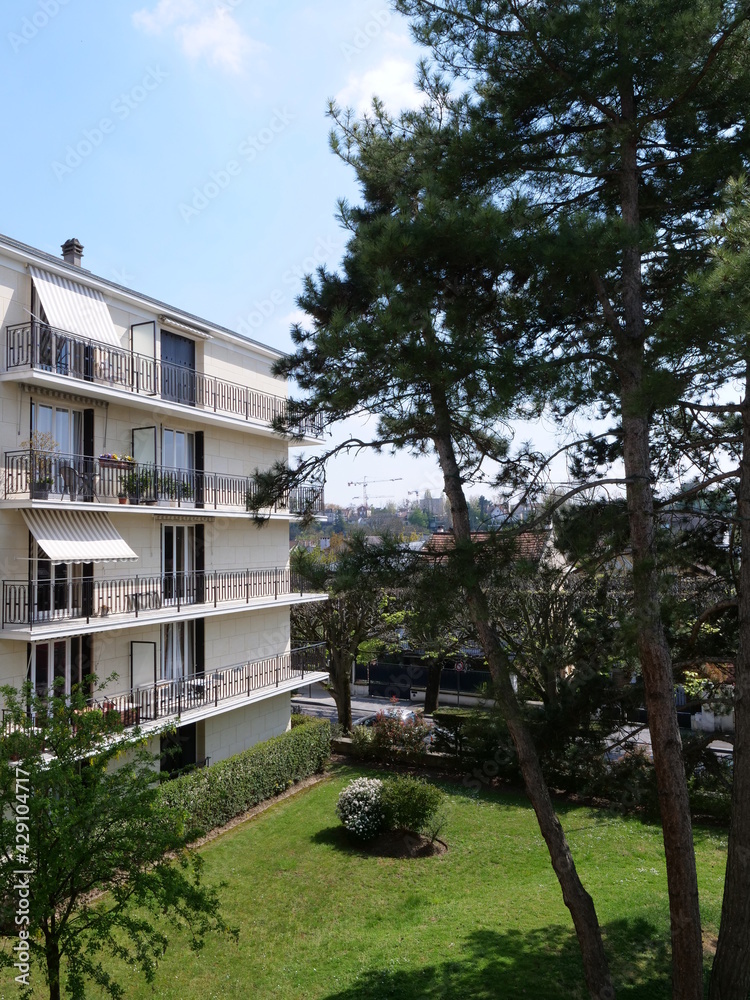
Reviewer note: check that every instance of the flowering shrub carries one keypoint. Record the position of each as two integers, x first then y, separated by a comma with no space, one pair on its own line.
368,806
390,732
360,807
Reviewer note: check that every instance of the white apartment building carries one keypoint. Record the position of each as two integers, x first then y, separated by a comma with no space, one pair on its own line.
129,433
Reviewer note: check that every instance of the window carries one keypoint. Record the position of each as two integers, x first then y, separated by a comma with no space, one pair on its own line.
62,425
178,563
178,450
144,445
177,651
59,662
143,346
56,588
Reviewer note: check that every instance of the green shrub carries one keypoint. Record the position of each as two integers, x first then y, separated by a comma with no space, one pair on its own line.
214,795
367,806
300,720
362,742
410,803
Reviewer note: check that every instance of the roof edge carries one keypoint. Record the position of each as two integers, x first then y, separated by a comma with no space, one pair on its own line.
84,276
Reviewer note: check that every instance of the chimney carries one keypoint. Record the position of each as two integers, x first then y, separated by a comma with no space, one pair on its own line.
72,252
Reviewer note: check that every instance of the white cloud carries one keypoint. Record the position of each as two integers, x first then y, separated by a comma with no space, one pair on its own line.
392,81
202,30
165,14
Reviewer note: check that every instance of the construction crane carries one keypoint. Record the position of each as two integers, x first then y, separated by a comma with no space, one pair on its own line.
364,483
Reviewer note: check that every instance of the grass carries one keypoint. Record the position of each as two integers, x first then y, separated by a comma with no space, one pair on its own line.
320,919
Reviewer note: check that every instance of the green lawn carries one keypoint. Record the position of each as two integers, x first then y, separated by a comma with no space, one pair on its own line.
320,919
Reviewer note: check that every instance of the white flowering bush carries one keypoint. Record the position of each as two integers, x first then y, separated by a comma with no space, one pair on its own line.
360,808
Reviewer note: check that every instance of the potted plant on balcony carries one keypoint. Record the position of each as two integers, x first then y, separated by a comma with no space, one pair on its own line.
147,485
41,486
109,460
130,486
169,489
42,448
138,485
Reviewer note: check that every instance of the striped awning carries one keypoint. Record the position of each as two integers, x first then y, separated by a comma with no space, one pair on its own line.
74,308
77,536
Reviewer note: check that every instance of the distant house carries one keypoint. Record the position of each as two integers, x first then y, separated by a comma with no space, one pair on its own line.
527,546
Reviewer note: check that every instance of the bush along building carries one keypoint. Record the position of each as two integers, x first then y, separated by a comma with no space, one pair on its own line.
130,430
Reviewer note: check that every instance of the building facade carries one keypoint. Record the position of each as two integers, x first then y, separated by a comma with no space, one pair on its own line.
130,431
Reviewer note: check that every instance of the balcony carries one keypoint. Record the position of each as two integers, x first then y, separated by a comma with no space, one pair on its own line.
40,348
175,698
37,475
200,693
115,602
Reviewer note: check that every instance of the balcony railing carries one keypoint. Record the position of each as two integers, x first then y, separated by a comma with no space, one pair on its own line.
171,698
39,347
46,475
86,598
150,702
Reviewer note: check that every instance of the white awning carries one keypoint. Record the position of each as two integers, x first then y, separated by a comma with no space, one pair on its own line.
75,308
77,536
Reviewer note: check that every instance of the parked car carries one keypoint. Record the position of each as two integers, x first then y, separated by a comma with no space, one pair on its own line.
393,711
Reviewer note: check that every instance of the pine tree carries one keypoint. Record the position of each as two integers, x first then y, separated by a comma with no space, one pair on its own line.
417,330
617,125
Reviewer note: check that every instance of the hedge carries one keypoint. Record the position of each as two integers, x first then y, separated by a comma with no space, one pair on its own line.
212,796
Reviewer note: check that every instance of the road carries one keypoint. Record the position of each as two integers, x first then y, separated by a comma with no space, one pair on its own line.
317,701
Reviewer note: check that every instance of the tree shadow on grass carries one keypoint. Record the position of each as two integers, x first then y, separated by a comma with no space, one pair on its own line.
543,964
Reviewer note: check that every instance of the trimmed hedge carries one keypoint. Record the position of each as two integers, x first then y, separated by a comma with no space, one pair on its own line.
212,796
298,719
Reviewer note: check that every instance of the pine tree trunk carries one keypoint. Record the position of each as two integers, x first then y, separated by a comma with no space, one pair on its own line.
730,976
666,743
654,654
432,689
575,896
341,686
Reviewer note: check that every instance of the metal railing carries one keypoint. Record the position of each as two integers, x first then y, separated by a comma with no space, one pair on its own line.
165,698
85,597
171,698
45,475
40,347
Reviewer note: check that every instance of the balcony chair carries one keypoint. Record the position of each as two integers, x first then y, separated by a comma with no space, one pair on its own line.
75,482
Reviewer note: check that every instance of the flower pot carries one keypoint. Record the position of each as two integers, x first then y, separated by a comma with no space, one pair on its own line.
40,493
122,499
112,463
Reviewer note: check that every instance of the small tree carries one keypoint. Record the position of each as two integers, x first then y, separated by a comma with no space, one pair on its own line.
355,577
102,861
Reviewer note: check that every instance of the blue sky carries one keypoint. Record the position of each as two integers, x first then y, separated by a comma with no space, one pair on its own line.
185,143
